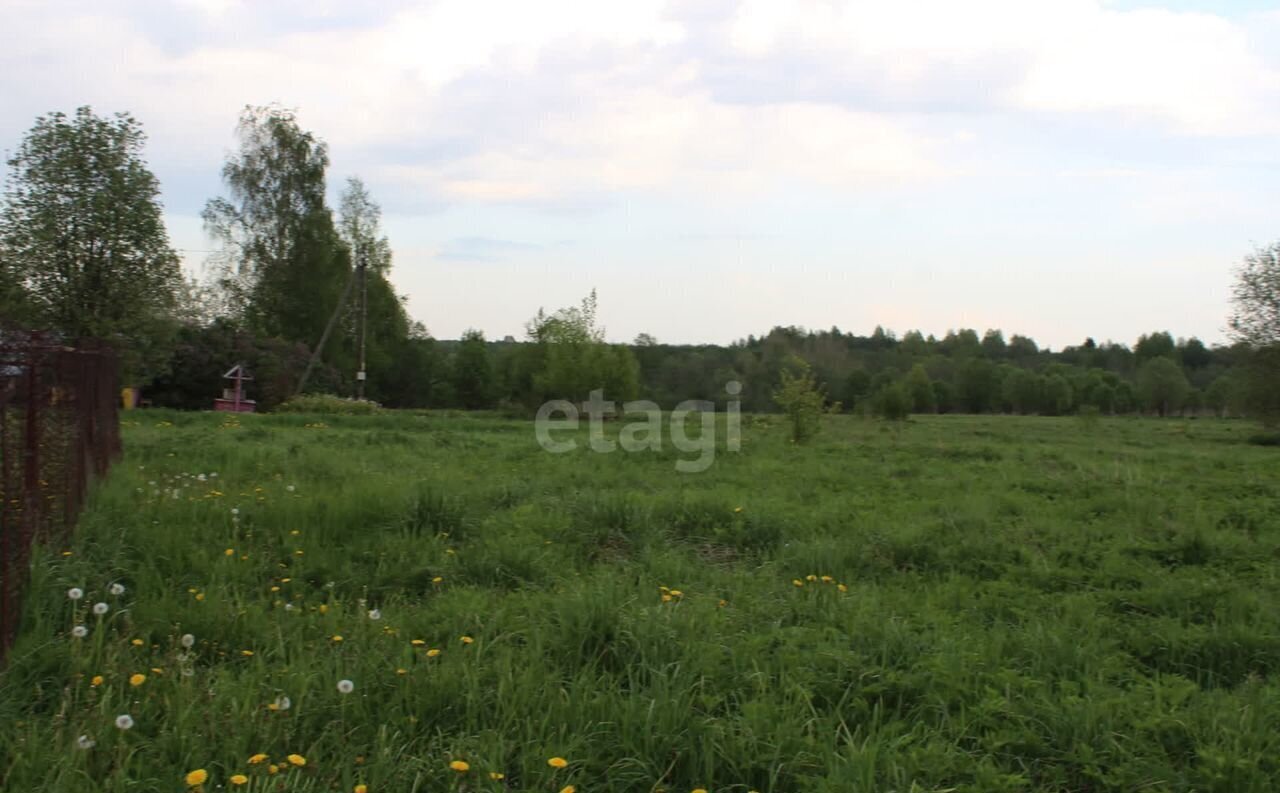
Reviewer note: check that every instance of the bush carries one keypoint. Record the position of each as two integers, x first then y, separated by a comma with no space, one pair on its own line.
328,404
801,398
895,402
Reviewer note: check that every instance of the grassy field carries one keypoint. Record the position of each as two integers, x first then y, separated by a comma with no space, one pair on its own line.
960,604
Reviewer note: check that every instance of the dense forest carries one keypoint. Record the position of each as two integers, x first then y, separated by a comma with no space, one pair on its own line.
84,251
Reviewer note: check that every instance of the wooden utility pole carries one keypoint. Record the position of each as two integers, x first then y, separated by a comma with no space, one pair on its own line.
364,316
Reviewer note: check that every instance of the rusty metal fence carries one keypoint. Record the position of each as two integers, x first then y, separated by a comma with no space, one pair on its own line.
59,428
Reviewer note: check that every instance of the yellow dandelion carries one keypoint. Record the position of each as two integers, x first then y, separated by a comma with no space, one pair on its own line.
568,789
257,758
337,638
466,640
97,680
675,593
737,509
842,587
273,769
417,642
826,579
239,779
811,578
275,589
797,582
157,670
557,762
247,653
323,608
196,777
137,642
296,759
229,552
437,579
666,598
137,679
360,788
722,603
433,652
285,580
200,596
461,766
699,790
496,777
402,671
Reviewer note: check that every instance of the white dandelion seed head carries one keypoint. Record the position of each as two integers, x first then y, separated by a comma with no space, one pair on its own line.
375,614
117,589
100,608
79,631
283,703
288,607
124,721
235,510
346,686
290,488
201,477
75,593
85,742
187,640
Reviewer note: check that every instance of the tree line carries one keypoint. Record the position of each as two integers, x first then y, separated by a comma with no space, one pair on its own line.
83,250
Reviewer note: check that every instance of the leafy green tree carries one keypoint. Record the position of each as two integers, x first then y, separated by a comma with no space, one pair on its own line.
920,387
569,358
1056,396
283,268
82,237
1255,321
472,373
894,402
1162,386
801,399
1155,345
857,387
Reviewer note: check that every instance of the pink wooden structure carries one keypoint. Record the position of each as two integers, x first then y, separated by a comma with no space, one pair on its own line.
232,399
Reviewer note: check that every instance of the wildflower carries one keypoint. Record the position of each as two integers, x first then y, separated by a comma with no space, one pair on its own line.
137,679
235,511
282,703
229,552
294,533
722,603
466,640
568,789
137,642
157,670
826,579
360,788
273,768
699,790
117,589
497,777
247,653
797,582
337,638
200,596
402,671
842,587
737,509
79,631
437,579
85,742
417,642
346,686
124,722
461,766
811,578
375,614
323,608
675,593
197,777
289,488
296,759
275,589
557,762
96,681
75,593
666,598
433,652
257,758
238,779
187,640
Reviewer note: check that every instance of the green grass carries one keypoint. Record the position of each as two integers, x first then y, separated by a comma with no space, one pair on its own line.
1029,604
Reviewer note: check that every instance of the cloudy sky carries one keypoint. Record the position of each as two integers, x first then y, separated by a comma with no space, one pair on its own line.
1057,168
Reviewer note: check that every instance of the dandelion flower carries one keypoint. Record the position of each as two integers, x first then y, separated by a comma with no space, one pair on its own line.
375,614
96,681
196,777
346,686
437,579
229,552
417,642
496,776
557,762
323,608
282,703
137,679
247,653
273,769
675,593
466,640
187,640
296,759
360,788
238,779
137,642
699,790
75,593
797,582
199,596
124,722
402,671
337,638
811,578
461,766
79,631
568,789
117,589
85,742
842,587
258,758
433,652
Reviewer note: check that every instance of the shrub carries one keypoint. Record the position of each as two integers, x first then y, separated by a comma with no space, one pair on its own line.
328,404
800,397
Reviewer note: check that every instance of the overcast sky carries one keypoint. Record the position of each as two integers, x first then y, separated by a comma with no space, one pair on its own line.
1056,168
